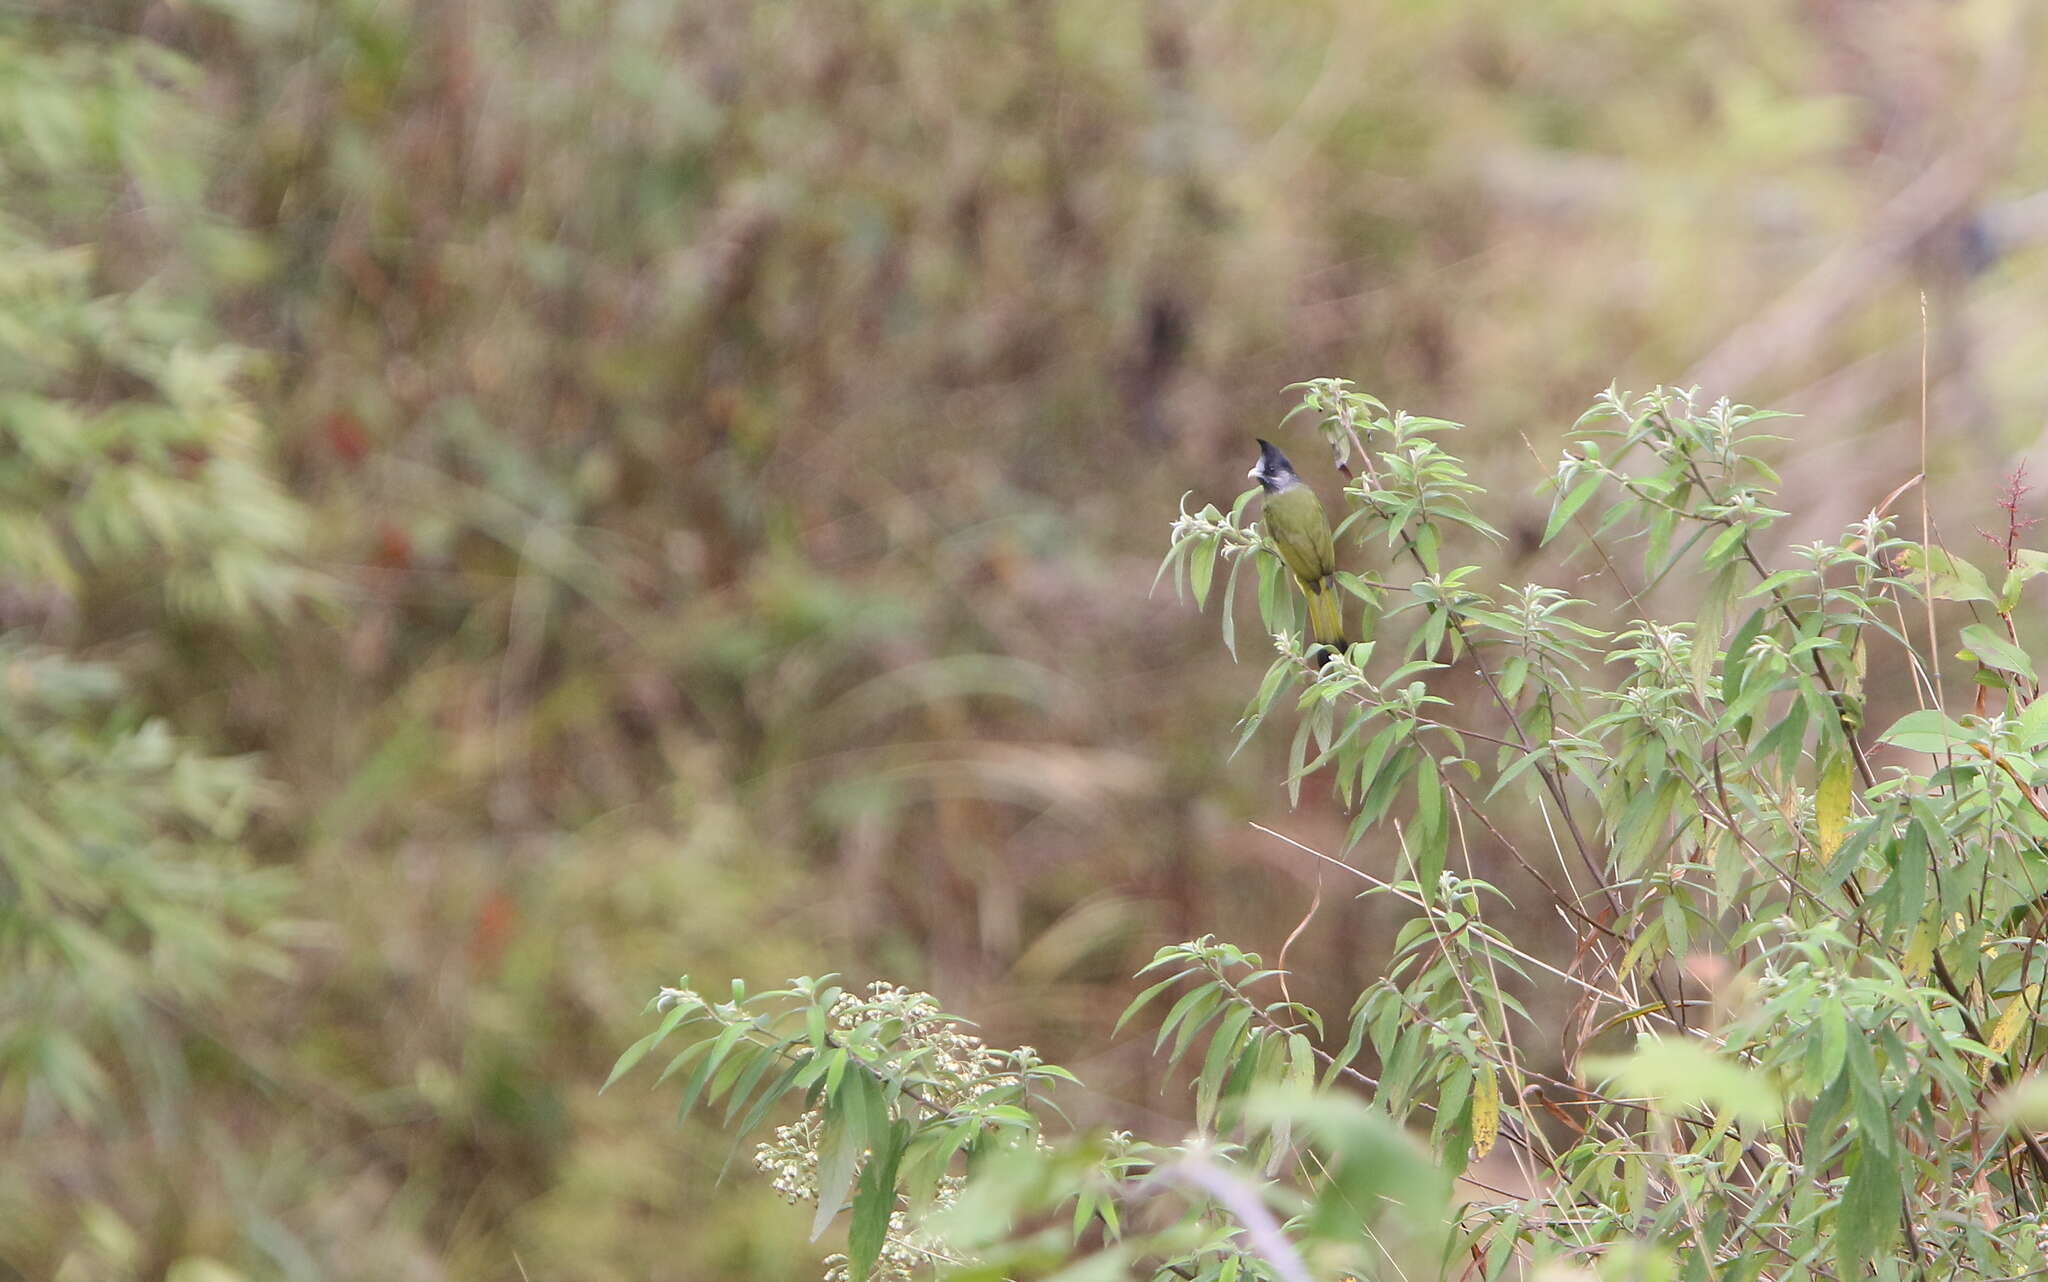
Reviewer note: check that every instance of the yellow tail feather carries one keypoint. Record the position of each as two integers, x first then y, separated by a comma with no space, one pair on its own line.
1325,613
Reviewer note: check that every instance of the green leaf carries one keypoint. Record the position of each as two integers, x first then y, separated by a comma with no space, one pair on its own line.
1196,1020
702,1077
1297,759
1926,730
2033,721
1935,573
683,1059
1276,595
1713,618
1569,505
1867,1101
1726,545
1223,1049
1230,606
1351,1044
1202,568
743,1089
1182,1009
1428,543
1828,1051
747,1061
865,1097
1431,835
835,1069
639,1049
1262,702
1451,1133
1995,651
1869,1212
1905,893
873,1203
2029,564
774,1091
1143,999
1735,665
838,1154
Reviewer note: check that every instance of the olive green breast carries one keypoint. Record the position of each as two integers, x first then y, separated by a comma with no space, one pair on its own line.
1301,533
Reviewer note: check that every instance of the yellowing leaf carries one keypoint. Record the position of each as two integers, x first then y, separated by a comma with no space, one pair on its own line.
1485,1112
1832,805
1920,951
2007,1029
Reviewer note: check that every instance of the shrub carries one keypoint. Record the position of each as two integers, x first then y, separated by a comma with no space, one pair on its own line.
1789,1026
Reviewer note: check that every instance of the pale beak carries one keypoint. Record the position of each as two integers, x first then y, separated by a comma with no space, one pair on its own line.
1252,475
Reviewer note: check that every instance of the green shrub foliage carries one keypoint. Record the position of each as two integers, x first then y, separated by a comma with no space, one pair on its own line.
1797,838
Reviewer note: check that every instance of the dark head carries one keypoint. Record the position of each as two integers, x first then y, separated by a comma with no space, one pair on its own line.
1273,470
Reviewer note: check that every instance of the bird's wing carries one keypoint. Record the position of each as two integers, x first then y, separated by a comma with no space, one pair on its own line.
1301,534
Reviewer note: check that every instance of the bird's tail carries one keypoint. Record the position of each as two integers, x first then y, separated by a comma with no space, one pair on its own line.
1325,613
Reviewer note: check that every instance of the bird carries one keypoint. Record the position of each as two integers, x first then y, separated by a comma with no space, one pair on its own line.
1300,533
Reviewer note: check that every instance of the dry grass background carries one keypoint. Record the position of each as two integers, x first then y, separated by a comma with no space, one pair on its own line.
738,440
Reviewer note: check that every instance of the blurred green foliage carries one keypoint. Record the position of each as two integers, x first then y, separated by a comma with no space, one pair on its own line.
137,501
674,486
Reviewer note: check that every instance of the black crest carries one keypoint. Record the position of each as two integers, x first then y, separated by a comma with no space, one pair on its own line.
1273,470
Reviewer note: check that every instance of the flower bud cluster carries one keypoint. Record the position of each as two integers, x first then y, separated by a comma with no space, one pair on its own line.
906,1036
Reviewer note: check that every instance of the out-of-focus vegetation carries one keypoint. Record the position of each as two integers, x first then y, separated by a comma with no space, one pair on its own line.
504,502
